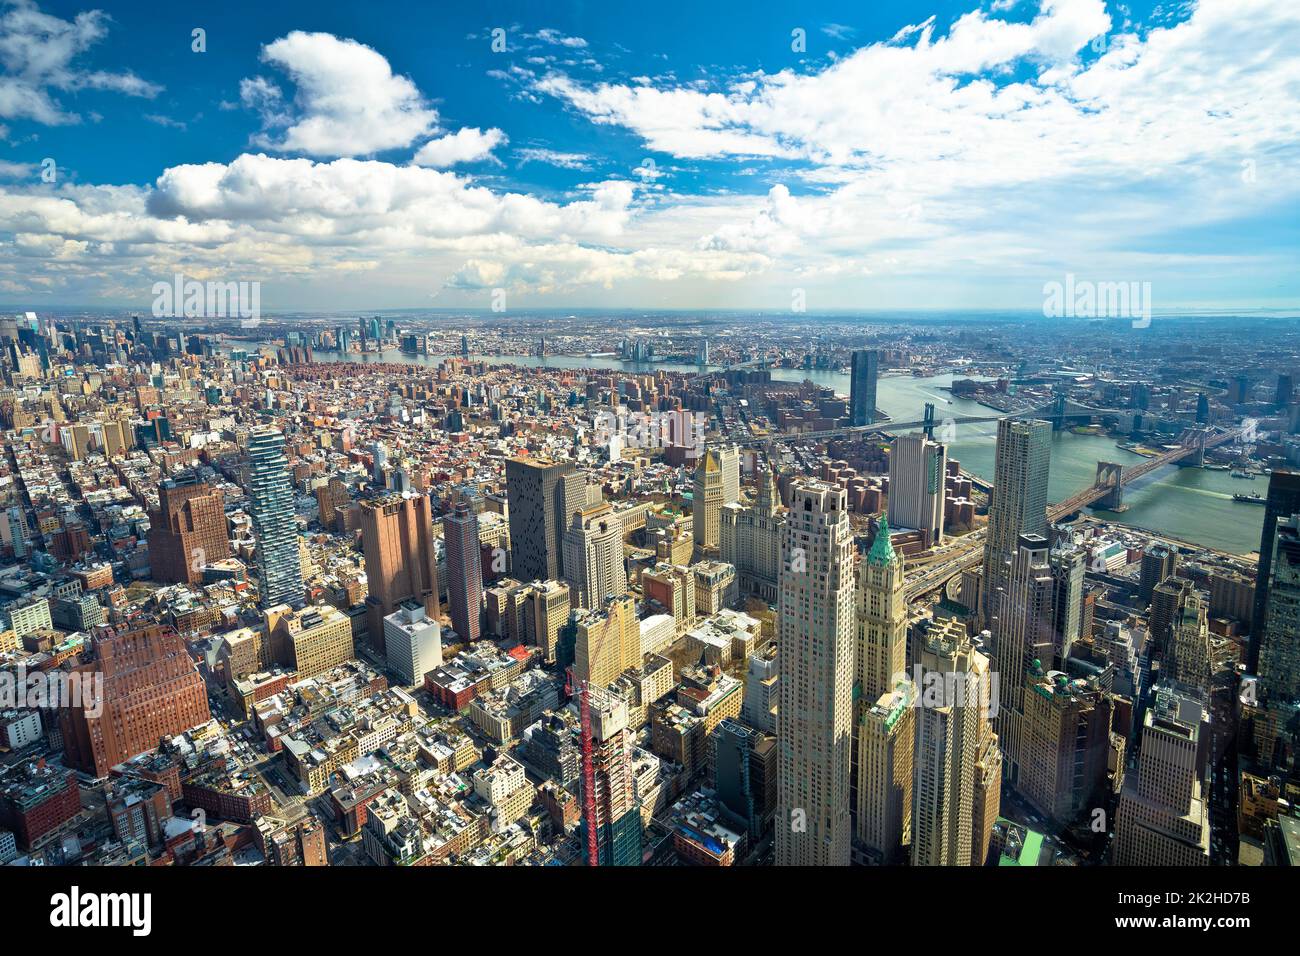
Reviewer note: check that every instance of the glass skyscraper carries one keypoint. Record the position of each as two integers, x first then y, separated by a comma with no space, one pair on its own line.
1018,504
279,563
862,387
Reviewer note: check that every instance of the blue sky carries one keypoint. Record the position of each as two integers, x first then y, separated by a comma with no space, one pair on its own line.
910,155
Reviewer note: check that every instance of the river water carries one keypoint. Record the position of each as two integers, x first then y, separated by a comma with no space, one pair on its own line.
1188,503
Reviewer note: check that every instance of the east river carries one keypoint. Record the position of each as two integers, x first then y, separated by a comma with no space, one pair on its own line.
1187,503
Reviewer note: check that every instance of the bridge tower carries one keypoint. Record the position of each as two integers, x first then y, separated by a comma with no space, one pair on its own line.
1058,412
1109,473
928,425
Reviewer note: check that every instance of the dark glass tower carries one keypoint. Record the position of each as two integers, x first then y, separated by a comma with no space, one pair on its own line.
862,393
1283,501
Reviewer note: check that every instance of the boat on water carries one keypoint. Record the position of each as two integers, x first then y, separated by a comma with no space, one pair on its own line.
1243,474
1255,499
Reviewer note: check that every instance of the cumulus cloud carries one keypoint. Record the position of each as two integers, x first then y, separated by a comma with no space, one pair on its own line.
349,102
465,146
38,53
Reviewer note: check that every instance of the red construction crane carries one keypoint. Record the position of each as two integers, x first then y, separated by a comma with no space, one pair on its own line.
588,777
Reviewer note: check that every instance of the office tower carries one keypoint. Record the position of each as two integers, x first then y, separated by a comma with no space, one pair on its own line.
1163,817
1279,652
151,689
279,567
1065,744
751,539
1285,388
1188,661
886,736
1023,637
593,556
546,606
745,766
816,636
881,620
986,802
1202,409
608,641
1167,600
188,531
614,811
673,587
13,530
917,468
729,458
1018,504
708,497
1283,502
955,749
865,365
315,639
401,559
1068,565
414,642
1158,562
464,570
762,690
541,506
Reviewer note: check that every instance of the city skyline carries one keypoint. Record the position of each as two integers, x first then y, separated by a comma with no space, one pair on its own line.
332,160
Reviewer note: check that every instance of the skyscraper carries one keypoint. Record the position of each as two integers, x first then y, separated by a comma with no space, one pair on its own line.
917,469
954,790
1018,504
150,690
886,739
815,719
464,569
593,556
1064,746
279,566
751,539
1163,817
707,498
1188,661
1283,502
413,641
614,803
188,531
401,560
1068,566
541,505
1158,562
1279,652
1023,634
881,620
864,368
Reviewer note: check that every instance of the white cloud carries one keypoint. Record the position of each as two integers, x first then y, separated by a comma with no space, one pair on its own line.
37,54
551,157
464,146
349,102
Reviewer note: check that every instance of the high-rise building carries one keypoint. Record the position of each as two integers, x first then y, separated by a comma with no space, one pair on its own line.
593,556
614,798
1163,817
886,745
864,369
1068,565
917,471
751,539
151,689
464,570
1283,502
1158,562
270,493
708,496
745,762
1188,661
1167,600
414,642
1279,652
546,606
815,626
881,620
762,690
541,506
1018,504
954,789
729,457
1065,744
401,558
608,641
188,531
315,639
1024,639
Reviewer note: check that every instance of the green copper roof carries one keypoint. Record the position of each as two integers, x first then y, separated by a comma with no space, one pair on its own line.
882,552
